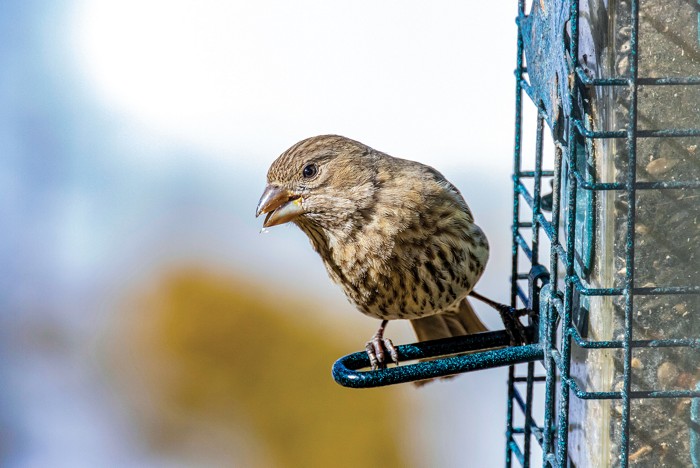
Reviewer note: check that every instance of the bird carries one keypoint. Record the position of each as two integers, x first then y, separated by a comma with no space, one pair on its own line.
395,234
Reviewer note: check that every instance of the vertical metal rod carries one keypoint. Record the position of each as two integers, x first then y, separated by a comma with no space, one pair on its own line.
573,21
550,318
535,260
509,416
570,226
629,246
537,190
698,7
515,221
528,414
695,430
517,157
550,385
563,423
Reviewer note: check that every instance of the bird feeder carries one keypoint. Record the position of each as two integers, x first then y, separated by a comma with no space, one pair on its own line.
609,261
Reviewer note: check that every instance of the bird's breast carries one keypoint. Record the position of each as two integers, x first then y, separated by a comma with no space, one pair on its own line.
410,275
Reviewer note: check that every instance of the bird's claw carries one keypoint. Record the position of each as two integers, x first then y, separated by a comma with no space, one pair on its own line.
513,325
377,348
511,319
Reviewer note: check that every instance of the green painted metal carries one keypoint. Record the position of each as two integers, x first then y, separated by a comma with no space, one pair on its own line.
554,82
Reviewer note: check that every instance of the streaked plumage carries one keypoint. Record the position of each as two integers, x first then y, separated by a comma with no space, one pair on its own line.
394,234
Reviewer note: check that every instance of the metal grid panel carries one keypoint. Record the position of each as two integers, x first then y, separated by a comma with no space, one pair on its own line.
556,83
571,140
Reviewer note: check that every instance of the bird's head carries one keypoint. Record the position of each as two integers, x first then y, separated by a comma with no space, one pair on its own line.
323,182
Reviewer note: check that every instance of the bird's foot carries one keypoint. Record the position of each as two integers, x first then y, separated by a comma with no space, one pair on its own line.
514,327
511,319
377,349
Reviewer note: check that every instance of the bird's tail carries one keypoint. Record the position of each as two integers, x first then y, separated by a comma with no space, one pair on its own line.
462,321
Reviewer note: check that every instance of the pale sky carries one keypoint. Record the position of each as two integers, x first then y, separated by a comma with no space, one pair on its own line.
242,81
245,80
232,84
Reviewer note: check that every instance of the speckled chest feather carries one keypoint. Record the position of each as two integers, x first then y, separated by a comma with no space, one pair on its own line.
413,251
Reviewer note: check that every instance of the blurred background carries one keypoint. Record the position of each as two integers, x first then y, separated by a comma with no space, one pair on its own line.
144,320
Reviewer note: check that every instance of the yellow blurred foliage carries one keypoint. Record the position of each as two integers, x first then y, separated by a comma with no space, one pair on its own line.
220,352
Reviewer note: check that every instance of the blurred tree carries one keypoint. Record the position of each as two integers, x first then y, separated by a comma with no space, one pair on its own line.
223,354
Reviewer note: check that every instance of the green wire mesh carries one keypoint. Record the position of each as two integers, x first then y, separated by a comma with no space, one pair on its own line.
611,257
582,99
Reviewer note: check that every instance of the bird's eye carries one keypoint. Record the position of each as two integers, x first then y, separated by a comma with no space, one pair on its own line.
309,171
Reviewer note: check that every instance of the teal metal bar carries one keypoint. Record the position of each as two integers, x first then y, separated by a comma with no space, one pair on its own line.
666,81
517,154
695,414
630,182
347,370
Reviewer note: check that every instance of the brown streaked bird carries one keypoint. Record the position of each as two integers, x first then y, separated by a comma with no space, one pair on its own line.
394,234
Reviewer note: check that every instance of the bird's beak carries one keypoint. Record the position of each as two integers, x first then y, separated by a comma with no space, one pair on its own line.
280,205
